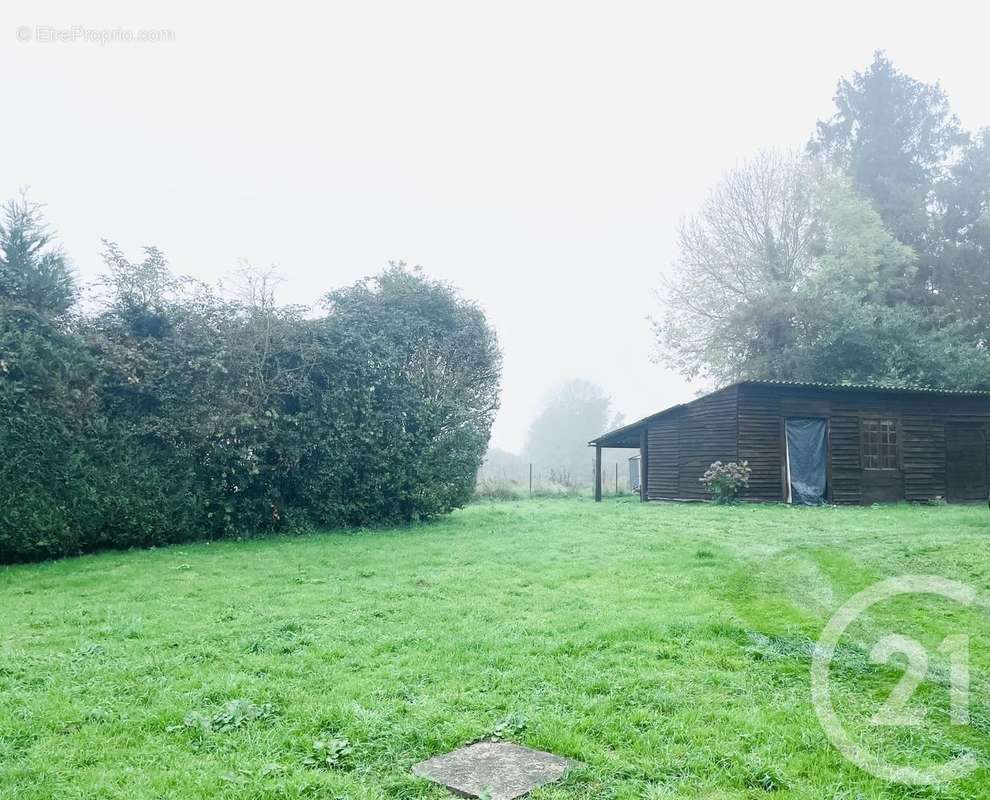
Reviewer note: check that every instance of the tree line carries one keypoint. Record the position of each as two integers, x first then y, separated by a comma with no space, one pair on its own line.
167,410
865,258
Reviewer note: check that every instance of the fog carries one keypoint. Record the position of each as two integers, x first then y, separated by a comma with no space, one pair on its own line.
538,155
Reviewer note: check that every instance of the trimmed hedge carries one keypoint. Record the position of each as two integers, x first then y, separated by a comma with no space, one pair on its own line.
171,413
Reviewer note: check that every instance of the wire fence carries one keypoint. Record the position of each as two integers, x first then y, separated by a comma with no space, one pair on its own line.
619,477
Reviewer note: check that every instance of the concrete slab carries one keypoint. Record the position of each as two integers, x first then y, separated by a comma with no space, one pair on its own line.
498,770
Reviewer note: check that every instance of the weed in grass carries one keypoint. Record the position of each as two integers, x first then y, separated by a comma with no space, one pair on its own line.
328,753
233,715
507,728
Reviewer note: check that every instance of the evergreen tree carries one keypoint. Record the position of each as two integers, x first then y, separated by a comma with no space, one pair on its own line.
34,272
894,137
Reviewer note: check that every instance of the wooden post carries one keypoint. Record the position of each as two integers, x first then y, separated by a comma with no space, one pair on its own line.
530,478
643,461
616,478
598,473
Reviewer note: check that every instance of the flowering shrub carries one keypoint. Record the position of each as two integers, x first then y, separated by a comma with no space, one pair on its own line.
725,481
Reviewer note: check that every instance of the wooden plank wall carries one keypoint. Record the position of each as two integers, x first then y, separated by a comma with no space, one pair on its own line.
923,422
847,475
747,422
761,441
684,443
923,454
709,425
921,432
663,452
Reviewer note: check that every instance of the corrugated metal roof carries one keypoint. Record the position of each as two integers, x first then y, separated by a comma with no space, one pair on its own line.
875,387
634,425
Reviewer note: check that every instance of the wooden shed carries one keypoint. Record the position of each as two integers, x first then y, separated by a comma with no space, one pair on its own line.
811,442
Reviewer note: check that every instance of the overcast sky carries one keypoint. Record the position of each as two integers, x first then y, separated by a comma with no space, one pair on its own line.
540,156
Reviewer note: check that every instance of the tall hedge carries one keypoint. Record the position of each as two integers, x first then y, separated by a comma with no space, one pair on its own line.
171,413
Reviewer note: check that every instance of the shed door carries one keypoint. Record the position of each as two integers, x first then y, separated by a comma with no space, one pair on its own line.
807,460
965,462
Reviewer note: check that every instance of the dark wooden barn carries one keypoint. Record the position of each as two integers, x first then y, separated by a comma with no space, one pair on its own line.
827,442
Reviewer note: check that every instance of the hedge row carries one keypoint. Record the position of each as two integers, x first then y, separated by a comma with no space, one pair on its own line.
171,413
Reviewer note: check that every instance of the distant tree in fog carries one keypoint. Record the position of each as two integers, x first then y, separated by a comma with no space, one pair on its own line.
573,413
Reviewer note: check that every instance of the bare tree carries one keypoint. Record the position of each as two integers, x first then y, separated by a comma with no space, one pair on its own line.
751,242
785,272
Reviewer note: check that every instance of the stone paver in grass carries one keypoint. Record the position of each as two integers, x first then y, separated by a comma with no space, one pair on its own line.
498,770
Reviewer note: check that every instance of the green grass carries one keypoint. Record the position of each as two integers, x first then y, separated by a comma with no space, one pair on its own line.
665,646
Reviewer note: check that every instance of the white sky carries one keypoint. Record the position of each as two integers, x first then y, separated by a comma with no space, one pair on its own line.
538,155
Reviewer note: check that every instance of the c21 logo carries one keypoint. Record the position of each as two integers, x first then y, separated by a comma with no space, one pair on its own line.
895,711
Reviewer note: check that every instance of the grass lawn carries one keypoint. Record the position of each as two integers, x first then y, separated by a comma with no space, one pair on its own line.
665,646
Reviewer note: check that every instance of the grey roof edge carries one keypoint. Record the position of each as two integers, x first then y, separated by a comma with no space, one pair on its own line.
863,387
870,387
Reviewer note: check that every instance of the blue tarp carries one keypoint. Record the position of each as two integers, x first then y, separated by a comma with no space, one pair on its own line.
807,457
